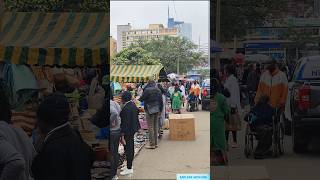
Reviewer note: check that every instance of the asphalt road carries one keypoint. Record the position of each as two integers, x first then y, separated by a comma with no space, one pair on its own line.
174,157
290,166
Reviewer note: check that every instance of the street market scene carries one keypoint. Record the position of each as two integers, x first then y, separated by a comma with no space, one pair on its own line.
265,87
54,85
159,77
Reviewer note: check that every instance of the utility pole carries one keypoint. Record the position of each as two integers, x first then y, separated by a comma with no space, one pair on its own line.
178,63
218,16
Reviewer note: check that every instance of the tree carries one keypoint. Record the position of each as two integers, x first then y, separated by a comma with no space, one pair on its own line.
58,5
136,56
169,49
239,15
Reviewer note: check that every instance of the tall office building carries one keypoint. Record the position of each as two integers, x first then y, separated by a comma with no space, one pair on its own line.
121,35
184,29
127,35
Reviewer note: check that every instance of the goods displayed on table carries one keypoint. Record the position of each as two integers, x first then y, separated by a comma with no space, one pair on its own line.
81,87
101,170
140,139
182,127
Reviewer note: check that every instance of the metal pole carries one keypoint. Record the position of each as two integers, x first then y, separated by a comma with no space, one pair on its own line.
178,68
217,60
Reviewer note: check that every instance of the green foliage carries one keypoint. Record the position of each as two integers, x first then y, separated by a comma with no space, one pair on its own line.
299,37
238,15
167,50
135,55
58,5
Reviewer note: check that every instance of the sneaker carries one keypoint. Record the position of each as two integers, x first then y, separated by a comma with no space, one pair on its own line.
124,168
126,172
115,177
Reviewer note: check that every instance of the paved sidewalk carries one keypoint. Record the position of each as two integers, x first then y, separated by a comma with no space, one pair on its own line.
174,157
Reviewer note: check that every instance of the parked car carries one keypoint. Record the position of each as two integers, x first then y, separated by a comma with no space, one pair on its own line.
205,95
302,109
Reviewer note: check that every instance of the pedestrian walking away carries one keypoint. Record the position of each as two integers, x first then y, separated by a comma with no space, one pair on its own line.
152,98
100,120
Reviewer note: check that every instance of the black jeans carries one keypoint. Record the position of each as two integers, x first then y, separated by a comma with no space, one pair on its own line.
129,149
265,139
114,149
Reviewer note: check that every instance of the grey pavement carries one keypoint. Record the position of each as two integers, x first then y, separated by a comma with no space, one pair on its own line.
174,157
290,166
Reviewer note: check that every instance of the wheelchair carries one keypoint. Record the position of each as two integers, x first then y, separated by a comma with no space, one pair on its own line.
193,106
251,136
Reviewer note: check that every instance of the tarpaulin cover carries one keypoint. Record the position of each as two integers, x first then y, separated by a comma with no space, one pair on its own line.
135,73
73,39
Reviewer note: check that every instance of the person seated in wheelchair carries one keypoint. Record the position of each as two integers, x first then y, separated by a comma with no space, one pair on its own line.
263,127
192,101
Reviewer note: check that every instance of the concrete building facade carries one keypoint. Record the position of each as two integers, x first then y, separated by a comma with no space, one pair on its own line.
128,36
121,38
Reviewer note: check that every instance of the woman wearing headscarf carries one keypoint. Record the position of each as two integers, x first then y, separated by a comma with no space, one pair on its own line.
219,110
129,126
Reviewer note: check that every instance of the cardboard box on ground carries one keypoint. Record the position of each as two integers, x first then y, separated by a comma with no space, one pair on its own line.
182,127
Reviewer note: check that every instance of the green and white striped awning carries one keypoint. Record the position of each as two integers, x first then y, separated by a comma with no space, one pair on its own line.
134,73
73,39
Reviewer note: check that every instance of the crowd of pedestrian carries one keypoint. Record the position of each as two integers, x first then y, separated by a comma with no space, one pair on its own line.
265,89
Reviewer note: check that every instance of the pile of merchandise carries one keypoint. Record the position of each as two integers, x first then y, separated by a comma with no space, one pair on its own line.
140,140
26,87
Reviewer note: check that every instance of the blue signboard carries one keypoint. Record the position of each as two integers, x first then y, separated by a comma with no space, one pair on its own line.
262,45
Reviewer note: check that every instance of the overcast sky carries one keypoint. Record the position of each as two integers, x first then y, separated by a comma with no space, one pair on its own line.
142,13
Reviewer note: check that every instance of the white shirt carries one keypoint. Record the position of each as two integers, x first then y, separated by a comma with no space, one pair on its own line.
183,89
233,87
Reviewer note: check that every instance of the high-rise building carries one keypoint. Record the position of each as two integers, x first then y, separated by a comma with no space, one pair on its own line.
184,29
127,35
121,37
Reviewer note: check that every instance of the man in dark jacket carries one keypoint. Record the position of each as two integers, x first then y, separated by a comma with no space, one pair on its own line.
153,105
129,126
63,155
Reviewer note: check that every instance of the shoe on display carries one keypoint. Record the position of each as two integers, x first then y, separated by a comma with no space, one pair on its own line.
115,177
126,172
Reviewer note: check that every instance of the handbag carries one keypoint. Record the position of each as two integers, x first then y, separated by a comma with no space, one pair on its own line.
152,109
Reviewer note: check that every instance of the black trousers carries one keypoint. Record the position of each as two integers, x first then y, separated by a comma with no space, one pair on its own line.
265,139
129,149
114,149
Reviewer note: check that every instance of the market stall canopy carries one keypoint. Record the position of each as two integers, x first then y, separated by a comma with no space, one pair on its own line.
73,39
136,73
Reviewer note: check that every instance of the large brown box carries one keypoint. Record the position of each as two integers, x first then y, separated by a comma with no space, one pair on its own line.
182,127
